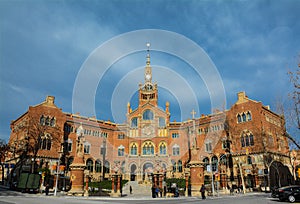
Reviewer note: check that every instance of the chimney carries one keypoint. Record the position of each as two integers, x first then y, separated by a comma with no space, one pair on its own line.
50,100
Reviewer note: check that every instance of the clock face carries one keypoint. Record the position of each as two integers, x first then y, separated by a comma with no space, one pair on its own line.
148,76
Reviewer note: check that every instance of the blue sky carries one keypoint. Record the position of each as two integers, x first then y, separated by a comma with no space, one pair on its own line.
44,44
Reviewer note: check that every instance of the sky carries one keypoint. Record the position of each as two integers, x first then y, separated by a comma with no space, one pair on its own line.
91,54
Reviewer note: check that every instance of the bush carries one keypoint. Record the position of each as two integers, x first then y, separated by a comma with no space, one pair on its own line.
179,182
106,184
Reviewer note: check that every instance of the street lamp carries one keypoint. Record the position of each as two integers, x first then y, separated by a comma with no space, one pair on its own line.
103,158
57,170
241,173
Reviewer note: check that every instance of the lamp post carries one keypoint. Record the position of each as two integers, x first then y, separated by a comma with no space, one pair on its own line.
57,171
103,158
211,174
241,173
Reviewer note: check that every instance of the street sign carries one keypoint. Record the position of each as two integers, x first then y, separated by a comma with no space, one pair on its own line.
208,169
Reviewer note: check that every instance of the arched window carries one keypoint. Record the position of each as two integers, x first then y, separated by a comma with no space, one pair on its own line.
98,166
176,150
148,115
133,149
247,140
45,142
42,120
214,163
47,121
107,167
249,117
205,163
251,140
87,147
123,167
244,117
121,151
242,141
134,122
162,122
52,122
239,118
163,149
174,165
69,145
89,165
223,159
49,143
249,160
179,166
148,148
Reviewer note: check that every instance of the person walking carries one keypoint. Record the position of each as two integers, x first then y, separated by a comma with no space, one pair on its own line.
47,189
202,190
130,189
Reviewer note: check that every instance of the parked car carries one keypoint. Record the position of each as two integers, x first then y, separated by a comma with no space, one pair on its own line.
290,193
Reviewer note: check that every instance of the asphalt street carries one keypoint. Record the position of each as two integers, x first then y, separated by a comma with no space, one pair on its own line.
13,197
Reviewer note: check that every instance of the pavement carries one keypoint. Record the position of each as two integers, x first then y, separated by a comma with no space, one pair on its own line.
5,189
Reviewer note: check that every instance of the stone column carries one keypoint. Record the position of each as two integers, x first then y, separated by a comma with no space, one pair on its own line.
77,178
113,184
116,178
186,184
86,191
197,177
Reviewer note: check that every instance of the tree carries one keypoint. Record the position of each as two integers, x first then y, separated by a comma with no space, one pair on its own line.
4,148
295,96
39,134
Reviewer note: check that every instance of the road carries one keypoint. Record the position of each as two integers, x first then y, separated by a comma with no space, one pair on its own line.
12,197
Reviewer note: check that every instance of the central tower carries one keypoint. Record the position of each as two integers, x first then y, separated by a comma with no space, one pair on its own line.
148,90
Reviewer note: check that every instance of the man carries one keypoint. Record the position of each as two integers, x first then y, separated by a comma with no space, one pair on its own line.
202,190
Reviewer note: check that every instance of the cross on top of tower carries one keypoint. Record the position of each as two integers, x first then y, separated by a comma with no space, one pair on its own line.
193,113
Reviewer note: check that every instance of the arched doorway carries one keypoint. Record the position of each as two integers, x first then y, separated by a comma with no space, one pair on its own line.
147,170
280,175
133,172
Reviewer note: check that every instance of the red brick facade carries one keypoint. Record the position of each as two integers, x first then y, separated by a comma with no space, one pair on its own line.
149,143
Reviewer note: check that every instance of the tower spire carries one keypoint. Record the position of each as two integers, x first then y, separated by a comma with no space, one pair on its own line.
148,54
148,70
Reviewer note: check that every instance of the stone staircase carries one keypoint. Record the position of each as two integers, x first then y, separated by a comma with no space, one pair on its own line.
138,190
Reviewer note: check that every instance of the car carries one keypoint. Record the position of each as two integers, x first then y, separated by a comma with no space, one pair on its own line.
290,193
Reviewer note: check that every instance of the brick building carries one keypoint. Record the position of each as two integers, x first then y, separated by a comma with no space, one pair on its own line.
247,139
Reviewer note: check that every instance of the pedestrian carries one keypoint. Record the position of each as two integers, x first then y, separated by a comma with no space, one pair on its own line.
47,189
156,192
130,189
153,191
202,190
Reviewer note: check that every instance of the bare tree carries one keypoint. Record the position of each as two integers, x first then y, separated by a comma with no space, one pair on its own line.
295,96
40,134
4,148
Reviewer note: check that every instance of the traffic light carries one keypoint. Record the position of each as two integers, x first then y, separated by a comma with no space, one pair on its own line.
217,177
